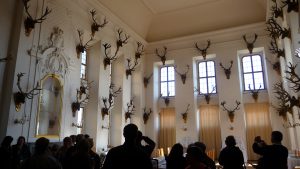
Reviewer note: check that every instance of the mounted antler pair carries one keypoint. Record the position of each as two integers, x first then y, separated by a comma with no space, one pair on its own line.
95,25
110,100
182,75
166,99
130,110
20,97
131,68
277,11
227,71
276,31
275,50
81,48
293,77
146,115
207,95
203,51
254,92
120,42
146,80
79,99
162,56
29,21
185,114
291,4
231,112
250,45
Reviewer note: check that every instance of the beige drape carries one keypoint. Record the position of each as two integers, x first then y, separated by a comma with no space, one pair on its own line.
210,132
257,124
167,129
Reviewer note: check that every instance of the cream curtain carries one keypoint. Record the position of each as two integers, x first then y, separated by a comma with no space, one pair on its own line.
210,132
167,129
257,124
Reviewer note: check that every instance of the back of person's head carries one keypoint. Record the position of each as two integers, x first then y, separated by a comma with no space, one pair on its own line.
79,137
7,141
41,145
130,132
21,140
201,145
67,141
230,141
91,142
83,146
176,151
276,137
194,155
86,136
73,138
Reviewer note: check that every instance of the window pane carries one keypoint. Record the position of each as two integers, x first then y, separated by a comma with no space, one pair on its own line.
210,68
172,88
247,64
248,80
202,69
171,73
258,80
211,84
203,85
82,71
256,61
164,89
83,58
163,74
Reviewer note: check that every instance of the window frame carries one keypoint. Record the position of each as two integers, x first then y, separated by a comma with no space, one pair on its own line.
160,82
252,72
198,78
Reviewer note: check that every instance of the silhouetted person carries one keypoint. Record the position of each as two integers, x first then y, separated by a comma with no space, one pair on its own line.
42,158
73,138
150,144
273,156
231,157
61,154
194,158
6,153
20,152
206,160
175,159
96,162
72,151
81,159
128,155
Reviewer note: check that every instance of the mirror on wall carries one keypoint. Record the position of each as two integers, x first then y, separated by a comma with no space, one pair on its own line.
50,107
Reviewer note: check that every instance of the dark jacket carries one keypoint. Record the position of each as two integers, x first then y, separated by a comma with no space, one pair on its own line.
231,158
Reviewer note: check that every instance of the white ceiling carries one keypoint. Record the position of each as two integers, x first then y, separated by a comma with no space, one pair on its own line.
156,20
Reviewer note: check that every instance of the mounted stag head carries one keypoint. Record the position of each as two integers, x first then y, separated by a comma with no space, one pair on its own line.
275,66
130,110
146,80
166,99
162,56
254,92
276,31
204,50
231,112
84,88
81,48
182,75
292,5
146,115
250,45
130,68
207,95
109,102
277,11
95,25
275,50
284,98
293,78
184,115
79,102
108,58
29,21
20,96
227,71
139,51
121,41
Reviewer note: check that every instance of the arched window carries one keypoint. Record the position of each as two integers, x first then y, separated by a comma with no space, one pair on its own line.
207,77
167,81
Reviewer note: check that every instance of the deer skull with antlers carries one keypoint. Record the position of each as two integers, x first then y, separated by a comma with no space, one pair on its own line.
185,114
29,21
121,41
293,77
250,45
182,75
277,11
130,110
131,68
146,80
81,48
20,96
204,50
139,51
227,71
207,95
146,115
79,101
291,4
275,50
276,31
166,99
109,102
231,112
254,92
162,56
95,25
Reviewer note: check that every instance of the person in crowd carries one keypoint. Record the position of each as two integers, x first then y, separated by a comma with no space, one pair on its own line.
96,162
54,150
20,152
206,160
175,159
6,153
73,138
81,159
150,144
61,154
194,158
231,157
42,158
72,151
128,155
273,156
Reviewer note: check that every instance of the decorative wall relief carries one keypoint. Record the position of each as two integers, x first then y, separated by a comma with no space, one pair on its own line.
95,25
227,71
250,45
185,114
109,102
182,75
130,110
231,112
21,96
146,115
29,22
81,48
146,80
162,56
254,92
203,51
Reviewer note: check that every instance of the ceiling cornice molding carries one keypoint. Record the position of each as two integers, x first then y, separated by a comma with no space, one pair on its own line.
220,36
